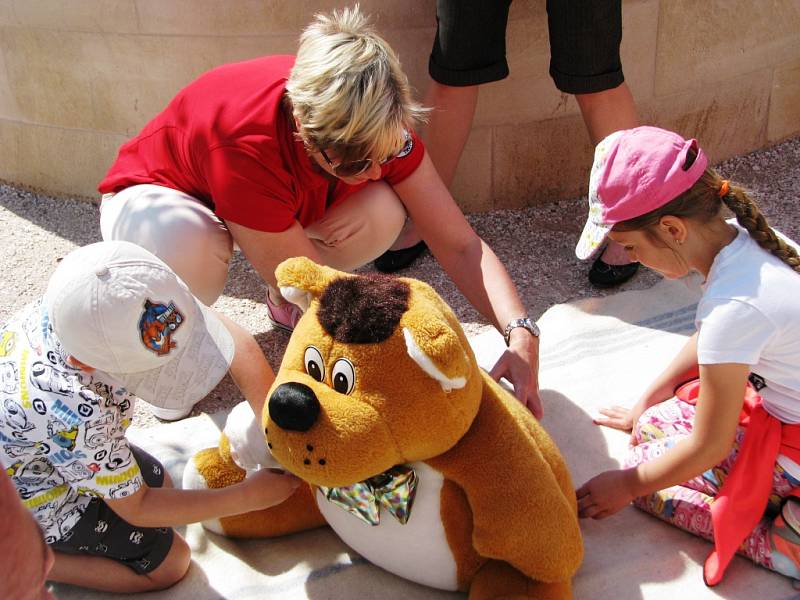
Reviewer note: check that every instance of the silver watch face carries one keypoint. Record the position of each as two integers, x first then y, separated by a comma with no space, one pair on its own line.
526,322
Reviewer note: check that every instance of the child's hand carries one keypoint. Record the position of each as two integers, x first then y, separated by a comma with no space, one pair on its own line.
624,419
605,494
267,488
616,417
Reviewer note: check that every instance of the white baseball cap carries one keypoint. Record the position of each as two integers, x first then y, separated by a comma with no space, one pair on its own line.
116,307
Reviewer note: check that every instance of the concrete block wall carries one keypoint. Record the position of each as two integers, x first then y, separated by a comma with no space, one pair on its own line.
79,77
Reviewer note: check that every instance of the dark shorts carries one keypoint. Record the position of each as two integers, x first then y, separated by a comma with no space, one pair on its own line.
470,43
100,532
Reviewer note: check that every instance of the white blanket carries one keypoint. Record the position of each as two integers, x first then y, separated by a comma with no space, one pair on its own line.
595,352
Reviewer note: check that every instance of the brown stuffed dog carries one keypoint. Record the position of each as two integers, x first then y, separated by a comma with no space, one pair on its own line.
380,406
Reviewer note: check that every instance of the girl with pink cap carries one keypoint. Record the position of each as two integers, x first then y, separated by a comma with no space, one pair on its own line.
715,444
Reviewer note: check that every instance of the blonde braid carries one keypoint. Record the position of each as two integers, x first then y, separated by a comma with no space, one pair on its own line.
750,217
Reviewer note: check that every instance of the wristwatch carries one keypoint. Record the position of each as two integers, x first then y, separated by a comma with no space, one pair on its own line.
525,322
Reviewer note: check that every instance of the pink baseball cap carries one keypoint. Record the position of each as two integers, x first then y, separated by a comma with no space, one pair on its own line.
635,171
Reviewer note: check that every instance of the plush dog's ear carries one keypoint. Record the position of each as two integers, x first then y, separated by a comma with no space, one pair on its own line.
300,279
437,349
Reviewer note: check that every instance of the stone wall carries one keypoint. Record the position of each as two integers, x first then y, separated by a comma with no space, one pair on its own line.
79,77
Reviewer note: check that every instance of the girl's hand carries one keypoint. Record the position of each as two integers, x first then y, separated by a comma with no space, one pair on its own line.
616,417
624,419
267,488
520,365
606,493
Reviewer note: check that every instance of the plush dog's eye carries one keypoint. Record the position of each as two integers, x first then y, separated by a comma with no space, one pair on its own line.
314,363
343,376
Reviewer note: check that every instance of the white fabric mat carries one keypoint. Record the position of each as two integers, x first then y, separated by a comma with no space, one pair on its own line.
595,352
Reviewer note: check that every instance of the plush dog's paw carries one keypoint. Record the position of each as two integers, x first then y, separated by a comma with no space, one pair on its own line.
246,443
242,449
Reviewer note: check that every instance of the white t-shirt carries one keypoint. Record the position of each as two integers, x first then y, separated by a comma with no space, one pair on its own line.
750,314
62,430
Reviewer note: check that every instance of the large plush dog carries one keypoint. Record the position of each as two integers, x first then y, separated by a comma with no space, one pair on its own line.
406,444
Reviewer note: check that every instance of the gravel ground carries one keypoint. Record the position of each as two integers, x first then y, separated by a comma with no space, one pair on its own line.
536,245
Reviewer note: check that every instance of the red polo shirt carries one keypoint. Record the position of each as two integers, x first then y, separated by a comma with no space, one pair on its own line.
225,140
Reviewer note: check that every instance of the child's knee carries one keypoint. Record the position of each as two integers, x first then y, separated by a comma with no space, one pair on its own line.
646,431
174,566
662,420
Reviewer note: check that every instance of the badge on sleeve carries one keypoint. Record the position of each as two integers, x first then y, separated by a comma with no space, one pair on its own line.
407,147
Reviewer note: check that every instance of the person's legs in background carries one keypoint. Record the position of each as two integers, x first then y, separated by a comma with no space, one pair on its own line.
449,126
608,111
604,113
469,50
585,37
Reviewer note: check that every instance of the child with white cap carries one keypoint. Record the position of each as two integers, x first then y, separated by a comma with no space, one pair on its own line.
115,324
710,452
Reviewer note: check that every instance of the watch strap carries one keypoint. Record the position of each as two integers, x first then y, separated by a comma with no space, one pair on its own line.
525,323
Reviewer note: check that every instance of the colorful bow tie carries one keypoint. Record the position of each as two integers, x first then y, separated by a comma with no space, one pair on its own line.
393,489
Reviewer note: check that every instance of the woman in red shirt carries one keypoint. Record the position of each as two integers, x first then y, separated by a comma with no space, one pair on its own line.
313,155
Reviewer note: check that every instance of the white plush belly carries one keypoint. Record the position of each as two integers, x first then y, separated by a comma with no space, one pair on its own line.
417,550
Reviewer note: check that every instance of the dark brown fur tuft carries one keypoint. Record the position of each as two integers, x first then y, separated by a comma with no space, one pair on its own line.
364,309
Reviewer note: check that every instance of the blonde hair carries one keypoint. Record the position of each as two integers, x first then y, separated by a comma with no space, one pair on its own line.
702,202
348,91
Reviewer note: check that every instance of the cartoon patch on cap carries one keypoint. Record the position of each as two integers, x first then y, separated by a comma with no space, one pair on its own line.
157,324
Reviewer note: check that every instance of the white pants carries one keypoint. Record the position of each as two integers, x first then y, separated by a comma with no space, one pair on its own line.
197,245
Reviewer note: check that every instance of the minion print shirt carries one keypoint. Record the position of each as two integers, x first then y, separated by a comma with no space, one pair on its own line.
62,429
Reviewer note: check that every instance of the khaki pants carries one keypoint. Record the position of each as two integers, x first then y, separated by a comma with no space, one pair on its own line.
197,245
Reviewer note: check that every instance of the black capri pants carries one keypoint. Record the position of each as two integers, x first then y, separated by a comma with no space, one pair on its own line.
585,35
100,532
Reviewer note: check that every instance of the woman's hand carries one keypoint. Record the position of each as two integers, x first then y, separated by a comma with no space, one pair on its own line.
267,488
606,493
477,272
520,365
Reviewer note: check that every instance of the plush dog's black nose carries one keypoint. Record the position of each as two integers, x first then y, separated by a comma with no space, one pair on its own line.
294,406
